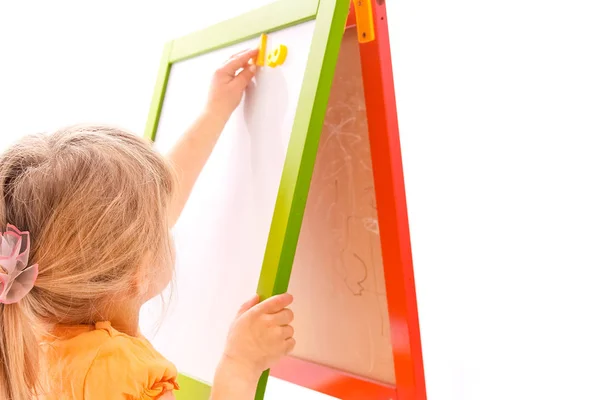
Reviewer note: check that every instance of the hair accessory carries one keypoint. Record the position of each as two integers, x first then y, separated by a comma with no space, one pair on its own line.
16,278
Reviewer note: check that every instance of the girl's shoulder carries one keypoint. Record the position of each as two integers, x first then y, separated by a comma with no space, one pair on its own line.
99,362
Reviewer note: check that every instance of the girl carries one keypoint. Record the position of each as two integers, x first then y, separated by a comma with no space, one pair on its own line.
87,213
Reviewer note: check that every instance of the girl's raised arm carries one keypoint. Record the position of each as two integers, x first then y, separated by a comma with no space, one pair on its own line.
190,154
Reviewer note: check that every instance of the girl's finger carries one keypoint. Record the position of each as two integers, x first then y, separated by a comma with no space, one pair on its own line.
274,304
248,305
283,317
245,76
238,62
289,345
287,332
235,55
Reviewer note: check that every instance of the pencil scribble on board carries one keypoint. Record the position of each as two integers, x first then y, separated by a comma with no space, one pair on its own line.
338,261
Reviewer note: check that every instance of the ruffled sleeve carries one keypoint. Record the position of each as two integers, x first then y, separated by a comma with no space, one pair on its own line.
129,368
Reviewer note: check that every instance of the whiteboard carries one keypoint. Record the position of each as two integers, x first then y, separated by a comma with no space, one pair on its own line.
222,233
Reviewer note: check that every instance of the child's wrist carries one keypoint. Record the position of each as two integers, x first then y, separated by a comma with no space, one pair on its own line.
240,368
215,117
208,126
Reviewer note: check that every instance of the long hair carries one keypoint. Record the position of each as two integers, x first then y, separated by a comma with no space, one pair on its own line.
94,200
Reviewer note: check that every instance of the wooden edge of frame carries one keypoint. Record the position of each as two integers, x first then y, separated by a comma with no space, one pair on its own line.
302,152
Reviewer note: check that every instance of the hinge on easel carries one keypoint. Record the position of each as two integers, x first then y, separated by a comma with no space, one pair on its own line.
364,20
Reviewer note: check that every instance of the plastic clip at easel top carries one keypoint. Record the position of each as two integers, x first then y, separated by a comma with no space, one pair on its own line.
364,20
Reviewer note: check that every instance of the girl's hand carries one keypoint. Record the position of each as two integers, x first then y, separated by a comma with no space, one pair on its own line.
261,334
229,83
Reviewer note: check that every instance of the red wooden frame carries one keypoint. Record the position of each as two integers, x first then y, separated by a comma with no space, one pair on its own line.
388,175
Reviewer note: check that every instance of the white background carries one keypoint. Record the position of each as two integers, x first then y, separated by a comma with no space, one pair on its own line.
499,110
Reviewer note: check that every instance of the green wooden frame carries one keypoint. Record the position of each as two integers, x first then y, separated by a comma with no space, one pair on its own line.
330,16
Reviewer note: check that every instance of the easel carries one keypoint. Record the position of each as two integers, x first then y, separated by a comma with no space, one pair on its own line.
370,19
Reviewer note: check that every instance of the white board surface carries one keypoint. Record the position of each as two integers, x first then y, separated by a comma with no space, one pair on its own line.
221,236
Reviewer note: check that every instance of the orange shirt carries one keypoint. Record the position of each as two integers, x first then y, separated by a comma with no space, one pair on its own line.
98,363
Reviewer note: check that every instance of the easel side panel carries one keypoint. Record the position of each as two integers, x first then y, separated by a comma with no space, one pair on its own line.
391,202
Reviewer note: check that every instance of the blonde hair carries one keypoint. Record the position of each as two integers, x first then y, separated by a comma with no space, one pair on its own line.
94,200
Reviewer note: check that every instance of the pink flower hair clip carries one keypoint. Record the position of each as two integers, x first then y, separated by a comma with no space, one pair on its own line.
16,278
